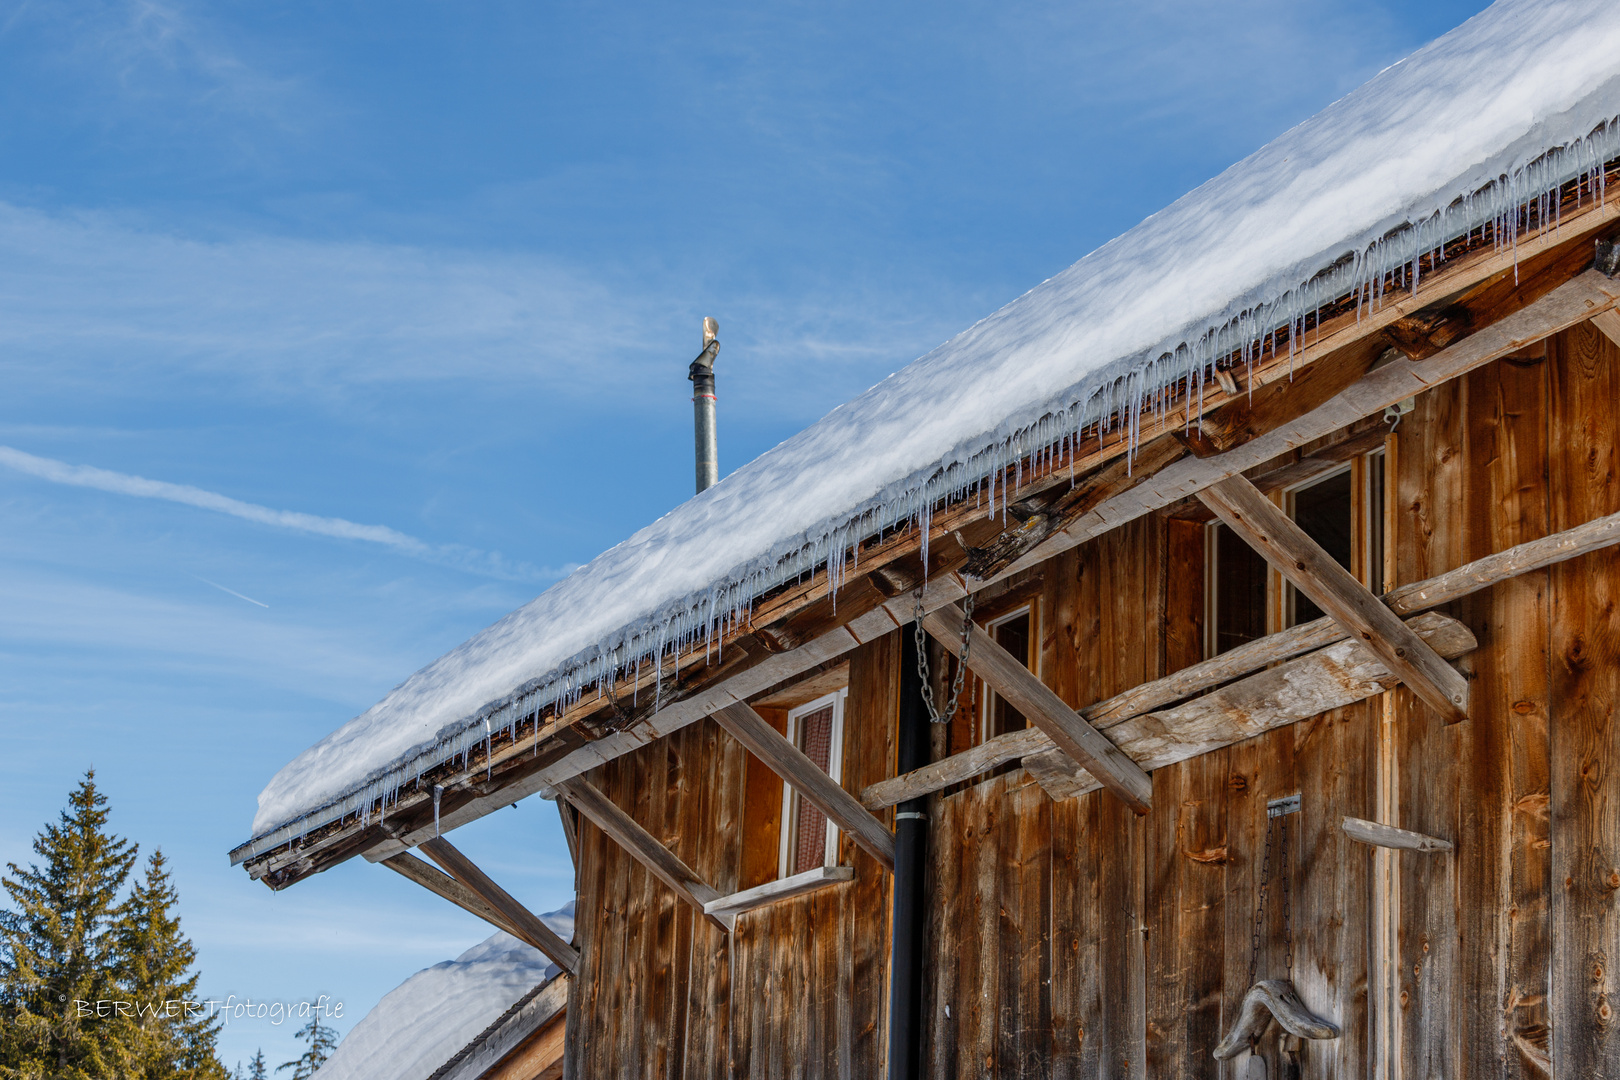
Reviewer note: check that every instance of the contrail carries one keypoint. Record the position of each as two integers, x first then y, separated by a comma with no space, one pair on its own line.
456,555
233,592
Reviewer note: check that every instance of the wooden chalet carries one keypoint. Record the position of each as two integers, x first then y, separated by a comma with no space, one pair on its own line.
1278,720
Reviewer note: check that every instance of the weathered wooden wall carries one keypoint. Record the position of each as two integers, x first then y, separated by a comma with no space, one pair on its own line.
1505,948
1076,940
1037,932
800,988
1073,939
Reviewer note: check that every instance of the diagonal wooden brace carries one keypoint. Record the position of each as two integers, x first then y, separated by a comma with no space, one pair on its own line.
437,881
1010,678
528,926
802,775
1609,323
623,829
1366,618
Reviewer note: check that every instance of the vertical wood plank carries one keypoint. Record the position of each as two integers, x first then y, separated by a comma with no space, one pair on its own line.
872,714
1583,690
1186,886
1258,770
1506,950
1331,880
946,942
1431,502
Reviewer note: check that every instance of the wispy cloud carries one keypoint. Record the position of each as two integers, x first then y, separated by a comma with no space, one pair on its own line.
126,54
455,555
233,592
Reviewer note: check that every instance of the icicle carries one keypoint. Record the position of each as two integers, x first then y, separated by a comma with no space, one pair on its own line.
438,790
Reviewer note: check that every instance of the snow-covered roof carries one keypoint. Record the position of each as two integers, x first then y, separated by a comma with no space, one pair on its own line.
425,1020
1514,102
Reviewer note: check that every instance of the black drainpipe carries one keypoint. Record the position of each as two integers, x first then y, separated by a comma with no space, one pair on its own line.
910,863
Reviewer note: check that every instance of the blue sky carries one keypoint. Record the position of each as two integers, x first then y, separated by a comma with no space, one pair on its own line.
429,275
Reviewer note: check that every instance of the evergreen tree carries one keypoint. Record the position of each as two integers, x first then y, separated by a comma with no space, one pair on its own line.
322,1041
60,947
257,1069
156,960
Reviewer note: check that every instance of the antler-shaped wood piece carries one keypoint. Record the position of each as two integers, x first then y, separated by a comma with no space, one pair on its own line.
1272,999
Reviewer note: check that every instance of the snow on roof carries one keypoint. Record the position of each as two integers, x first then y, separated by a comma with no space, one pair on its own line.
424,1020
1514,102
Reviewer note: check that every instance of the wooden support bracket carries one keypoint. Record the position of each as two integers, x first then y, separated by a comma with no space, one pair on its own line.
643,847
1093,750
528,926
781,889
566,813
1609,323
813,785
437,881
1311,570
1388,836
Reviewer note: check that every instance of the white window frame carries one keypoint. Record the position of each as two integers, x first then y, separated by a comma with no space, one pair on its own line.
988,697
835,769
1285,615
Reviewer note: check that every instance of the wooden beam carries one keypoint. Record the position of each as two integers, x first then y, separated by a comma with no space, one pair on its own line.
437,881
780,889
1013,680
1519,559
804,776
643,847
1250,657
1330,678
941,774
1283,544
529,926
1609,323
570,833
1388,836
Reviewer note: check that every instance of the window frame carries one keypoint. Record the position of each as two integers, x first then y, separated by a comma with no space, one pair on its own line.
787,841
1286,593
987,693
1368,513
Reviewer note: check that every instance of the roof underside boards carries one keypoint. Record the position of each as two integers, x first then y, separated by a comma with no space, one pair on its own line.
1460,136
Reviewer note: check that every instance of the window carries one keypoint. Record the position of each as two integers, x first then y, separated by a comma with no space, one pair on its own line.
1236,591
1343,511
809,840
1012,632
1324,510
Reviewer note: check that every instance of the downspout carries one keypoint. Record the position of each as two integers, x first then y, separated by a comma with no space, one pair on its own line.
702,375
906,958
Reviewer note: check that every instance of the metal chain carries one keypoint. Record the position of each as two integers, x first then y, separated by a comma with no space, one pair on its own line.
1288,918
1260,906
1265,890
934,715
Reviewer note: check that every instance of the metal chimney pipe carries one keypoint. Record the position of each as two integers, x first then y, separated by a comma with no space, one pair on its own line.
702,375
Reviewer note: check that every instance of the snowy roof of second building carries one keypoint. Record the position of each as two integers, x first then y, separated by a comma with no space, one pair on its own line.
428,1018
1517,100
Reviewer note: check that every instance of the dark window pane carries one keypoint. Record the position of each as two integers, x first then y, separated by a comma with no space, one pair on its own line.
1240,591
1323,510
1012,635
